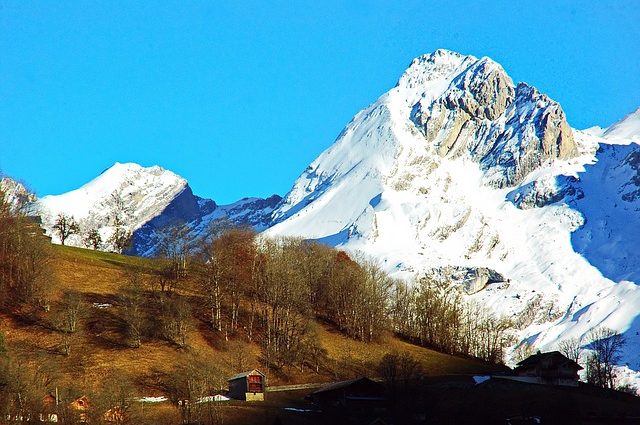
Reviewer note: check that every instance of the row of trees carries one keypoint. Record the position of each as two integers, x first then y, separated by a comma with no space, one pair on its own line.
434,315
65,226
276,287
24,254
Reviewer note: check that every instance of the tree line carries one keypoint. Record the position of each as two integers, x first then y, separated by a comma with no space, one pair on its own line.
275,287
24,254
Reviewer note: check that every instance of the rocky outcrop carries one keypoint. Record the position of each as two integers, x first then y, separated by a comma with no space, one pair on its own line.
510,130
16,195
542,192
469,280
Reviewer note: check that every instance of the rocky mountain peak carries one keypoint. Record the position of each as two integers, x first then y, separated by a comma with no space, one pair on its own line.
417,181
483,90
510,130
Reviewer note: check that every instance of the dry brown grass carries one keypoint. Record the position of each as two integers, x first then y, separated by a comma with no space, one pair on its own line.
100,348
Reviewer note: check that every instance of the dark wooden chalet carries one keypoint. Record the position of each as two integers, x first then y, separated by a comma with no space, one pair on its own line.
548,368
361,393
248,386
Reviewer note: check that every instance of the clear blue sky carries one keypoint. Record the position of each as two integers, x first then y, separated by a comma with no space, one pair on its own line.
240,96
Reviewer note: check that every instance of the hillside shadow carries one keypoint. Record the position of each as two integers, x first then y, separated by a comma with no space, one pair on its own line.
631,356
213,338
102,324
609,238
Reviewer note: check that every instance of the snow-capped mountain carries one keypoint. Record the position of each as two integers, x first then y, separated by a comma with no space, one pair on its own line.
456,173
459,168
145,199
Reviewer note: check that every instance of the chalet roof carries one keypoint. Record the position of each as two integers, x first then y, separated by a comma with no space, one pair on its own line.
554,358
245,374
343,384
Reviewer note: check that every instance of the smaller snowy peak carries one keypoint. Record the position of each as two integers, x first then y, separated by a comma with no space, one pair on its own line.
124,179
625,131
140,193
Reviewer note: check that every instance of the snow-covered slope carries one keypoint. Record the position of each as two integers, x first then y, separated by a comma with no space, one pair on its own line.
147,199
626,130
457,167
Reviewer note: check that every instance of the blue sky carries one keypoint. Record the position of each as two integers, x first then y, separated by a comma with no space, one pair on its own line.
240,96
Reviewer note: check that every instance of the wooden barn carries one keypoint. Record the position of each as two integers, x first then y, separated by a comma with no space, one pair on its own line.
361,393
249,386
548,368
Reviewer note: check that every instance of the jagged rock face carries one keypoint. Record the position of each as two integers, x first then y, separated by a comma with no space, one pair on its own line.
183,209
483,91
632,160
509,130
16,195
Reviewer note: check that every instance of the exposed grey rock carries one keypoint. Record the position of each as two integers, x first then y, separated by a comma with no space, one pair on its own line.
510,130
469,279
539,193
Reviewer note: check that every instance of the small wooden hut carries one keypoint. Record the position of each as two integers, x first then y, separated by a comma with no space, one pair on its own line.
249,386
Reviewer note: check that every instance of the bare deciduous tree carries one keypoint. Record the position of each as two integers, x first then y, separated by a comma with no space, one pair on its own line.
176,321
571,348
133,303
120,238
607,346
71,308
65,226
189,387
24,255
91,238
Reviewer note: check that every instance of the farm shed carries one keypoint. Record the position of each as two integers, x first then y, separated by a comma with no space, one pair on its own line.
249,386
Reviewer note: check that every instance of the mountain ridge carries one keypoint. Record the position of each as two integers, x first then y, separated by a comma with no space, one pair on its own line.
458,168
150,199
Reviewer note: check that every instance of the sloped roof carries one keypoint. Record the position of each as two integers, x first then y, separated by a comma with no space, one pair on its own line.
343,384
245,374
555,358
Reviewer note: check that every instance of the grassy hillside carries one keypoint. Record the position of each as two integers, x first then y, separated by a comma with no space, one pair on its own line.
99,348
101,357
